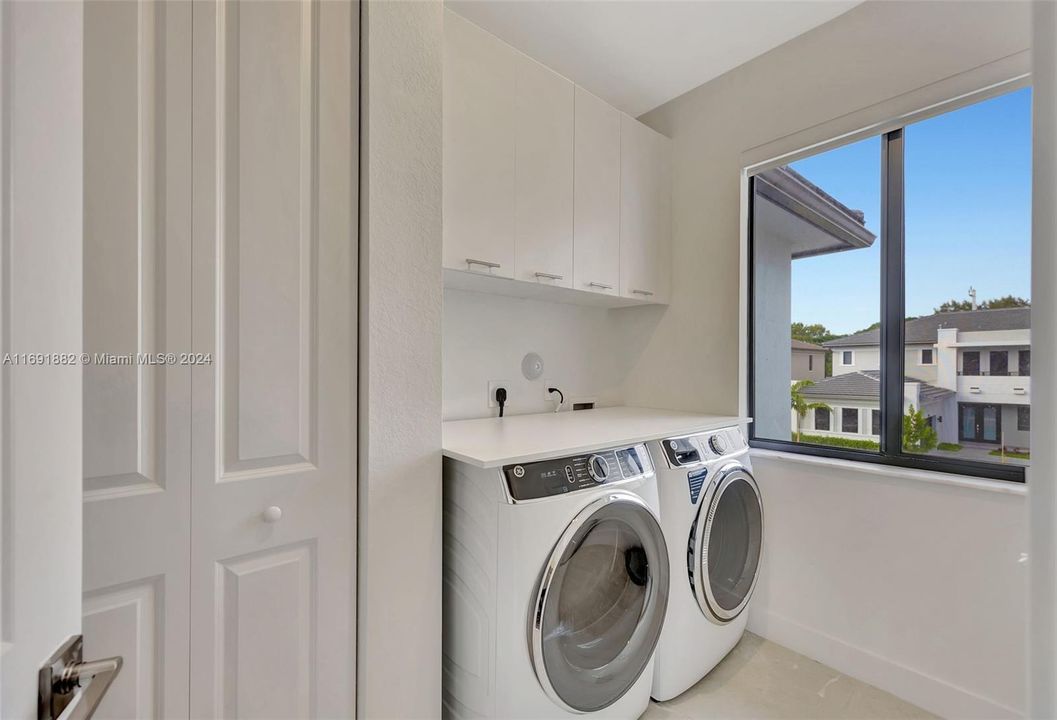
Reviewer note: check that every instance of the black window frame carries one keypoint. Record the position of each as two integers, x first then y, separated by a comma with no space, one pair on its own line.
855,414
1024,363
875,422
892,347
826,413
992,356
932,356
1024,425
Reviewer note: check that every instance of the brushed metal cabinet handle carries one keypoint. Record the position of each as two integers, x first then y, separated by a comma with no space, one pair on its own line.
603,286
647,293
549,276
483,263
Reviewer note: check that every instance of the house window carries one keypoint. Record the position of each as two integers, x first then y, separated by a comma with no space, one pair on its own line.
849,420
999,362
1024,418
810,363
877,243
822,418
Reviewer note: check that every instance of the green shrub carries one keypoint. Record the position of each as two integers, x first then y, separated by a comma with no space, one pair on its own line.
841,442
949,447
918,435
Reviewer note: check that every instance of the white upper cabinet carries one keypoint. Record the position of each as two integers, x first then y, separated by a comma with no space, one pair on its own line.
596,217
546,184
480,128
543,220
645,212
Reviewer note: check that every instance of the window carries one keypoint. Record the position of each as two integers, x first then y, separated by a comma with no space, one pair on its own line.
1024,418
886,252
999,362
810,363
849,420
822,419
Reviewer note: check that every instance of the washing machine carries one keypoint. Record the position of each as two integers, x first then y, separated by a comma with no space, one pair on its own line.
556,582
712,516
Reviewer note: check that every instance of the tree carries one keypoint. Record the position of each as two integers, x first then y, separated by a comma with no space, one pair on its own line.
815,333
1006,301
918,435
800,405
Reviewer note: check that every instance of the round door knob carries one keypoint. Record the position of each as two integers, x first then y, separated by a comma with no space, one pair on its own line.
718,444
272,514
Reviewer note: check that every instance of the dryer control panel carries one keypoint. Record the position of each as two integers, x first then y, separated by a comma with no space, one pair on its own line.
546,478
694,449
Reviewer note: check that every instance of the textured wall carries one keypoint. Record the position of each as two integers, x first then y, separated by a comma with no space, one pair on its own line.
400,389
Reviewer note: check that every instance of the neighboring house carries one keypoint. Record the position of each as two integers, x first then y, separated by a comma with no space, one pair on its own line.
792,218
808,361
854,406
981,357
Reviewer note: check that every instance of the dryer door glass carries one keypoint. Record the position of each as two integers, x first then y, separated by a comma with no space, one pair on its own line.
601,604
728,553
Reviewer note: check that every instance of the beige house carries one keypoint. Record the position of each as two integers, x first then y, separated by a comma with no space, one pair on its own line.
808,362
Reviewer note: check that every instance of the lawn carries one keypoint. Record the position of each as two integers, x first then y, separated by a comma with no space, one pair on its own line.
839,442
1016,455
949,447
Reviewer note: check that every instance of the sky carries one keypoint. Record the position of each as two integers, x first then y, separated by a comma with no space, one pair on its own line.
968,216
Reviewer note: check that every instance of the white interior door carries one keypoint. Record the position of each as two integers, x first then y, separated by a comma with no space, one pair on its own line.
137,298
273,435
40,314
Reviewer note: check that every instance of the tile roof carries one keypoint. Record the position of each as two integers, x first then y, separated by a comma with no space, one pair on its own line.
801,345
864,385
923,330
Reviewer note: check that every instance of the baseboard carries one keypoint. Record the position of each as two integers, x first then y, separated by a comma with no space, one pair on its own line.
937,696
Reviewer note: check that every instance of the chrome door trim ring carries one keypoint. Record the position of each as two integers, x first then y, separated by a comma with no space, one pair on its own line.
703,527
536,624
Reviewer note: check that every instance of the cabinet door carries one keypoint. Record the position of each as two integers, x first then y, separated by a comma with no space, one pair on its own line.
596,222
479,143
543,218
645,212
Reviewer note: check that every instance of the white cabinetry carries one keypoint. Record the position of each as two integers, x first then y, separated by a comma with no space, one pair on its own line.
645,212
543,217
596,220
548,191
480,122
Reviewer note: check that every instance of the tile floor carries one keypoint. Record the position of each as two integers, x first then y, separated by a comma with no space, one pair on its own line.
760,680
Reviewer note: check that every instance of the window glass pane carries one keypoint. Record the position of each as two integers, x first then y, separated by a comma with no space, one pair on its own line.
875,422
926,356
849,420
817,275
968,282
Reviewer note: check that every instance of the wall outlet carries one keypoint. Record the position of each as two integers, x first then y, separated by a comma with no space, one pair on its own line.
492,386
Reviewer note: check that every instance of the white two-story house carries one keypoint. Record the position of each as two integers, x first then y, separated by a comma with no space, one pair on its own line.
969,372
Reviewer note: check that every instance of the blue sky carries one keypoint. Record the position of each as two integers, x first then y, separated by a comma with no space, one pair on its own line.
968,215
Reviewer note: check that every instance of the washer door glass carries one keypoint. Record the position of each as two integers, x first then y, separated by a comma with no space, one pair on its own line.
601,604
730,543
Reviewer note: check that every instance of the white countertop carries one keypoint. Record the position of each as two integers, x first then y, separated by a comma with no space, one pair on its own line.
492,442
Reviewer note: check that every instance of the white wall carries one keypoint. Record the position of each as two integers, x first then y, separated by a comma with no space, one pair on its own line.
910,585
961,626
587,351
1043,667
399,618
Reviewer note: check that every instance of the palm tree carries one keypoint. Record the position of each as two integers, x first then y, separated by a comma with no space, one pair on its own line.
801,406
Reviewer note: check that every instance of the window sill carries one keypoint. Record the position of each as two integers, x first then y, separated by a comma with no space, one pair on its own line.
897,473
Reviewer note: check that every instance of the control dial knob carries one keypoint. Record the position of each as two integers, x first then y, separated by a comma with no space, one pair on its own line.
718,444
598,468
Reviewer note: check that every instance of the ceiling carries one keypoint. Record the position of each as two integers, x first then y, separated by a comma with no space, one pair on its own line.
639,54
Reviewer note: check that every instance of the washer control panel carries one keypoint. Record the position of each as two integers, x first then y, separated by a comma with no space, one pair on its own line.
694,449
546,478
